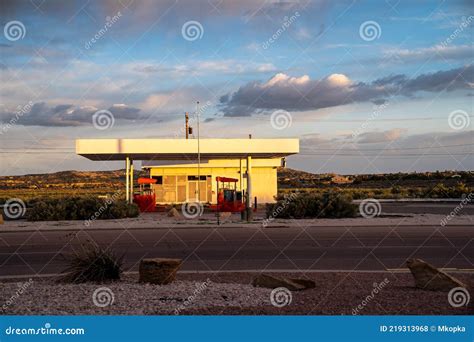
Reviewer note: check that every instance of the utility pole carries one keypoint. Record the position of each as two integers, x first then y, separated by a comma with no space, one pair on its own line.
186,118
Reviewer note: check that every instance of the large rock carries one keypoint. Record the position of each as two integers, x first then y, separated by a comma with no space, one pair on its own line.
158,271
306,283
292,284
428,277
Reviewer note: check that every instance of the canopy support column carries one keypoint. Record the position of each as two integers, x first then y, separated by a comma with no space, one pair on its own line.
241,186
127,179
131,181
248,200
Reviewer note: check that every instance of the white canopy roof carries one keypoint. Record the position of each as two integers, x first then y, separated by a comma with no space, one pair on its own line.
184,149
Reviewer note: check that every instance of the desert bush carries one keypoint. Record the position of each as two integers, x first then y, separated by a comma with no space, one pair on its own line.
92,263
337,206
437,191
79,208
442,191
122,209
312,205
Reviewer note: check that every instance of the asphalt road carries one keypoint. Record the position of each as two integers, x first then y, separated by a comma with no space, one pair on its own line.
224,248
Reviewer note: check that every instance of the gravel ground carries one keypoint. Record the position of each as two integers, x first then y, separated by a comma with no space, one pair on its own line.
129,297
231,294
160,220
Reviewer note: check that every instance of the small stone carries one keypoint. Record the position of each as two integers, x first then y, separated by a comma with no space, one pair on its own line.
174,213
159,271
225,216
428,277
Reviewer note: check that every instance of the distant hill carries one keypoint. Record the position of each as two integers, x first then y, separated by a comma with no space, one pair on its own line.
65,179
103,182
290,178
108,179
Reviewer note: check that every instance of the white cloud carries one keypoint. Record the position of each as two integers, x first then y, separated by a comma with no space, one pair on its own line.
379,137
304,94
436,52
227,66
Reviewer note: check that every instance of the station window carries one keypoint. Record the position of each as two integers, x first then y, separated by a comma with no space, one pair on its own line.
159,179
195,178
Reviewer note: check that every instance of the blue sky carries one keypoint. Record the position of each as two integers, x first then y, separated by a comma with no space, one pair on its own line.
397,96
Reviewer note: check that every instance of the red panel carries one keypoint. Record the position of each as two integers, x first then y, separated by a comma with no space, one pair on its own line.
144,180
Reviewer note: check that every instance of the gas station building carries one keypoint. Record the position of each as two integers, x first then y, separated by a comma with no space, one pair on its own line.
186,170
